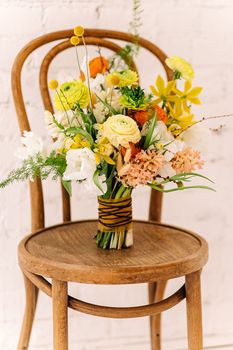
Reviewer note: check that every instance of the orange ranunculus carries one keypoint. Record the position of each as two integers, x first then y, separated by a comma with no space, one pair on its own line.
141,117
161,114
134,149
97,65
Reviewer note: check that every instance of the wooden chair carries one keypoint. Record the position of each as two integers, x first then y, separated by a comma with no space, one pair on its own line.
67,253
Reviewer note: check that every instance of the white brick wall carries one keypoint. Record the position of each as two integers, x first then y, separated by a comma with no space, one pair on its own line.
199,30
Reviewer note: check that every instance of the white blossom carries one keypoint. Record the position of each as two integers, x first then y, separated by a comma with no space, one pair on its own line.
31,145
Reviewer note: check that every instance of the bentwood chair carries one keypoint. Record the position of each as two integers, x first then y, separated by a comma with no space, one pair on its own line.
160,253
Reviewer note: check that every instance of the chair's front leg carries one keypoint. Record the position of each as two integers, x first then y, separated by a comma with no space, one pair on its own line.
156,293
31,293
194,311
60,315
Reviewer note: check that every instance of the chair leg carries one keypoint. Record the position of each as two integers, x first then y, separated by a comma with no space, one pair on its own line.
60,315
194,311
156,293
31,292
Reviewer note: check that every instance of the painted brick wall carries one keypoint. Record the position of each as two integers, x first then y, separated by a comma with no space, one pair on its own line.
198,30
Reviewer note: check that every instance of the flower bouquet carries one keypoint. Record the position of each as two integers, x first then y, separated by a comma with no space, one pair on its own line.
110,136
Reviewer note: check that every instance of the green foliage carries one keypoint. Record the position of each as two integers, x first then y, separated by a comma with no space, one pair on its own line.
148,138
37,166
134,98
178,179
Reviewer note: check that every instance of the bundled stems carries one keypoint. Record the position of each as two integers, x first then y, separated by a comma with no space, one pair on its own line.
115,220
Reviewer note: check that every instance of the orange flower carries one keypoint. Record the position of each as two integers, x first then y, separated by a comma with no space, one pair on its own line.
97,65
134,149
161,115
141,117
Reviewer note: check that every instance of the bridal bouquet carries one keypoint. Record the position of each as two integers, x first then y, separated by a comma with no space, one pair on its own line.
111,136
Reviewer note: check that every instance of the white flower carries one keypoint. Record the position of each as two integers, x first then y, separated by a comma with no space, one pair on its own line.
166,171
97,83
101,111
31,145
81,164
172,148
196,137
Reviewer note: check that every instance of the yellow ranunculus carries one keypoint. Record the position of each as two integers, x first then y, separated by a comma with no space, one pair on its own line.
71,93
180,66
123,78
120,130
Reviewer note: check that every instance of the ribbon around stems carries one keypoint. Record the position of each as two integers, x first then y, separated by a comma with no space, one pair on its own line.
115,214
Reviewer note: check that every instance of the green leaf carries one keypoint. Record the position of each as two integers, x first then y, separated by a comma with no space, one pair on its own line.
179,188
67,185
180,176
148,138
96,180
77,130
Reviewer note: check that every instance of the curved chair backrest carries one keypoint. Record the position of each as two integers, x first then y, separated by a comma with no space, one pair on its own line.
92,37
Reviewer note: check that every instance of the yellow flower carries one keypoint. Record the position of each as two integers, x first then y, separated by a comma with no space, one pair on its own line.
79,31
103,149
189,95
71,93
180,121
163,91
180,67
74,40
120,130
53,84
123,78
80,142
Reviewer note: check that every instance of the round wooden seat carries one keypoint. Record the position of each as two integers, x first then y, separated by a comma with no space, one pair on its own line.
68,252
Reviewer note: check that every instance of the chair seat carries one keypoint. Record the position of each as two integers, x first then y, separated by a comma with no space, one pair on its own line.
68,252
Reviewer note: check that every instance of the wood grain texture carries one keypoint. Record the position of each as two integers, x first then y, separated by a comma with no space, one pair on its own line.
30,308
156,294
113,312
69,251
60,315
194,311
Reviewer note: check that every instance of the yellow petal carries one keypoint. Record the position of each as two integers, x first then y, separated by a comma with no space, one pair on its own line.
97,158
160,84
154,91
187,86
108,160
195,92
195,100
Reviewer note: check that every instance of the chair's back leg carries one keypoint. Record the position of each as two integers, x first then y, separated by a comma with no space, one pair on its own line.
31,292
156,293
60,315
194,311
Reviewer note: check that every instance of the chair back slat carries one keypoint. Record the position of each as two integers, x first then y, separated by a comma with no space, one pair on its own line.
97,37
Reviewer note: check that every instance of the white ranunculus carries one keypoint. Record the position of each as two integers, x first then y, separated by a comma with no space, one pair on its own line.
81,164
31,145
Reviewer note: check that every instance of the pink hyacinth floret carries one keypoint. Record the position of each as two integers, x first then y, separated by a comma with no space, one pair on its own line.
142,169
187,161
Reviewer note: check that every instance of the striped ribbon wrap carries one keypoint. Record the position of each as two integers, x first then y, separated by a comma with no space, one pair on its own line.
115,215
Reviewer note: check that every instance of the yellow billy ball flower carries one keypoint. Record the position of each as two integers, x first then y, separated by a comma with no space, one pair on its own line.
180,67
79,31
120,130
53,84
74,40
